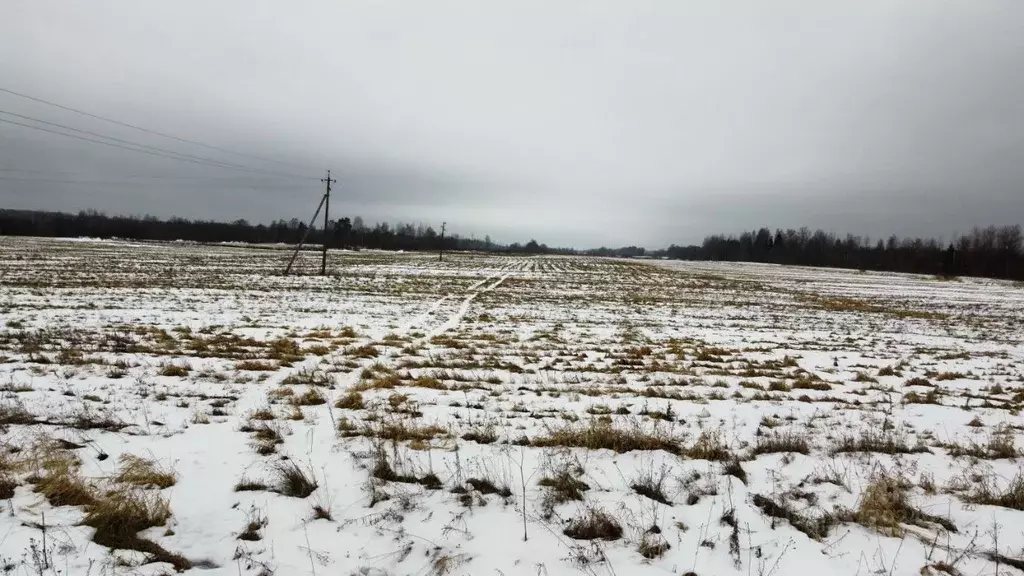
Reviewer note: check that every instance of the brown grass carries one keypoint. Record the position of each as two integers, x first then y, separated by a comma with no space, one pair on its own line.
60,481
365,351
121,515
311,397
251,531
401,431
710,446
293,480
564,487
178,370
985,492
594,524
930,397
482,435
871,440
143,472
249,485
262,414
385,381
816,528
653,545
885,506
603,434
255,366
428,382
353,400
650,483
788,441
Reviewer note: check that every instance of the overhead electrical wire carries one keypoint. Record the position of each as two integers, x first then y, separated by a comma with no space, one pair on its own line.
142,148
218,163
141,176
219,183
151,131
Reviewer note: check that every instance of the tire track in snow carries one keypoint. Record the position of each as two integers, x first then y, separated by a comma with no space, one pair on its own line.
421,317
438,303
455,319
351,379
496,284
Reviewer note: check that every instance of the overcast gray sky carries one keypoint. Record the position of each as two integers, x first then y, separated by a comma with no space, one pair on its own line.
582,122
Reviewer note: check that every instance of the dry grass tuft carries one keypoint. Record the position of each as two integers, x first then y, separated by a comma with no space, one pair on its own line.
710,446
364,351
1000,444
885,506
401,431
255,522
250,485
177,370
987,493
788,441
930,397
602,434
61,483
386,381
321,513
255,366
650,483
735,469
311,397
265,431
353,400
653,545
293,480
486,486
144,472
816,528
882,505
15,413
428,382
262,414
872,440
593,525
482,435
121,515
382,470
564,487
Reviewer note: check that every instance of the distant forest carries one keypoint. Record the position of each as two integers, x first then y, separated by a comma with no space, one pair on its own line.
341,233
996,252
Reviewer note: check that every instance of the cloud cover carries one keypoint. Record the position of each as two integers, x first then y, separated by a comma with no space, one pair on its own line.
585,123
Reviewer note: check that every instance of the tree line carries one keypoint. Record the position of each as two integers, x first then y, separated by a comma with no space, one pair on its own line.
341,233
995,252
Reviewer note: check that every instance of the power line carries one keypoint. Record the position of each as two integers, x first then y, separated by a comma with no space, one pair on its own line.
219,163
215,183
148,130
140,176
130,142
171,155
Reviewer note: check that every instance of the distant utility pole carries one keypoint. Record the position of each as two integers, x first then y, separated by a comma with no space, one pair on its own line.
327,209
440,254
324,200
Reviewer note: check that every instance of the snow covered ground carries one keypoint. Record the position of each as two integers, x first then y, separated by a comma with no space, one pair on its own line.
501,415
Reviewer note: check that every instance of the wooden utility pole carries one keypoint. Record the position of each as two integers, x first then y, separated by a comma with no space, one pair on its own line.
312,220
327,209
440,253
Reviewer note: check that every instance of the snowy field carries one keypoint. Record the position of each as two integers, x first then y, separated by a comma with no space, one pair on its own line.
186,408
